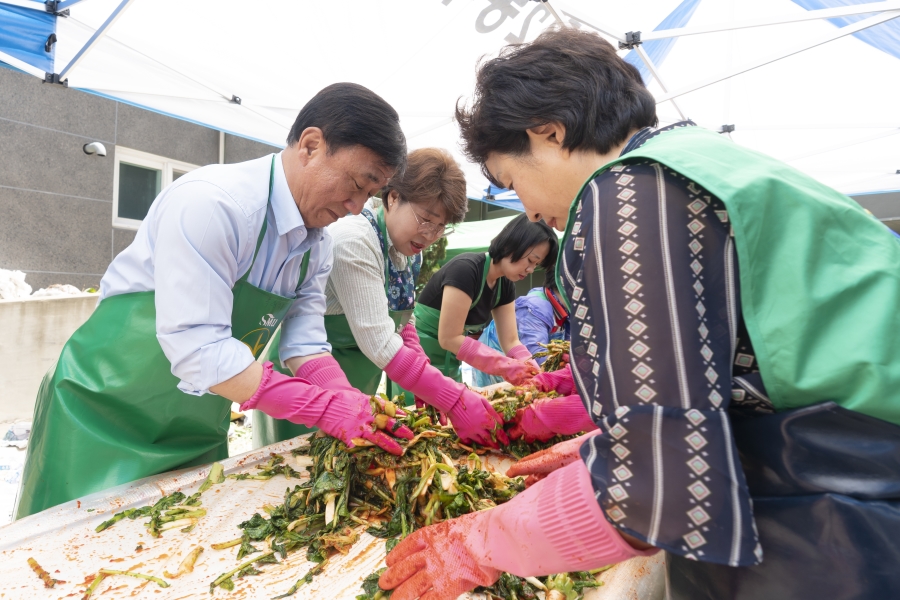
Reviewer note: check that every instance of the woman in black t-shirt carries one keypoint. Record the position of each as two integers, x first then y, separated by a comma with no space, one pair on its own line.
471,289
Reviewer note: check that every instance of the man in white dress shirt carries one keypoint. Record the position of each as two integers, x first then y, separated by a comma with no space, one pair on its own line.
226,255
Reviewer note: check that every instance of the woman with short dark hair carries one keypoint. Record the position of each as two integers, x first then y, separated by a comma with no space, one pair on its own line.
733,336
370,296
461,298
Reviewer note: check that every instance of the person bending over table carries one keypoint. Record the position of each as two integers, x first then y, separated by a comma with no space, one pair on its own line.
225,255
460,299
541,317
371,293
734,337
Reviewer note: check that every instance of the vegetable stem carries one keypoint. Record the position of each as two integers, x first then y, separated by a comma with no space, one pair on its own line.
228,575
187,565
157,580
93,587
49,582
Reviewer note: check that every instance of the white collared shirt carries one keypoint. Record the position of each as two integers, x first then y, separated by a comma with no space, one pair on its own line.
356,287
197,240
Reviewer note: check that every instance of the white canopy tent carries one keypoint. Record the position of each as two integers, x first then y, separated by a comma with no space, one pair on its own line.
790,83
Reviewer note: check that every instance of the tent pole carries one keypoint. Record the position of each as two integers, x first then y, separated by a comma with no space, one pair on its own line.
842,32
812,15
221,147
646,58
553,12
98,35
66,4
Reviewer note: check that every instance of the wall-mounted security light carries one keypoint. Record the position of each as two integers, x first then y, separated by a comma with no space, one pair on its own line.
95,148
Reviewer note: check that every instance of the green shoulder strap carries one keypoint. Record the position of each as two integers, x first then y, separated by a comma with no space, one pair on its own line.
304,266
379,216
487,265
262,232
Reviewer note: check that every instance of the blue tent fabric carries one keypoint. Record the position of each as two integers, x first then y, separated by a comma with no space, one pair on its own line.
24,33
658,50
884,37
501,197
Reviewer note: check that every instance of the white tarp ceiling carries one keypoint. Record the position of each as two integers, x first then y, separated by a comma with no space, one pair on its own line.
832,110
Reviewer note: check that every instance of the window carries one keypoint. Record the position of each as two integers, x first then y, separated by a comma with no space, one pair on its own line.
139,178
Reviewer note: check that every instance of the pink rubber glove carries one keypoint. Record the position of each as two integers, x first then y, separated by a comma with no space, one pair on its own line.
325,372
344,414
540,464
472,416
547,417
520,352
556,526
487,360
411,340
559,381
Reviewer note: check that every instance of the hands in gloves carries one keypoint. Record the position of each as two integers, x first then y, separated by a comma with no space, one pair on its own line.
547,417
344,414
517,368
556,526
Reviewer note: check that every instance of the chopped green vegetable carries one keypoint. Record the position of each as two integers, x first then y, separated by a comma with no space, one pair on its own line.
367,489
305,579
555,351
216,475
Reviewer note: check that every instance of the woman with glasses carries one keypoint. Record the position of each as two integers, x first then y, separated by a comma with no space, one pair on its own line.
370,296
459,301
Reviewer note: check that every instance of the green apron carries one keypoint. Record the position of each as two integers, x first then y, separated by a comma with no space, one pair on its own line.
820,278
361,372
110,411
428,319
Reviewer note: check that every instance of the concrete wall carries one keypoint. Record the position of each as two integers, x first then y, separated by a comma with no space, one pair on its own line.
56,201
884,206
34,332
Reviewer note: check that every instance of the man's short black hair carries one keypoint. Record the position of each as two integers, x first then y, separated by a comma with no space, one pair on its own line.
518,236
566,76
348,115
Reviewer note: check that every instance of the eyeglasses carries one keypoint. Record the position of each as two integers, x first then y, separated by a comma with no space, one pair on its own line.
432,230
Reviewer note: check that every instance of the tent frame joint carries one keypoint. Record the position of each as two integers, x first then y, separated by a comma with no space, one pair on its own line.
726,128
54,79
235,99
52,7
632,39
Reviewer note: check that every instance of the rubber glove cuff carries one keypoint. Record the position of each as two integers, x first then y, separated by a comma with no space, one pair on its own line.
406,370
519,352
325,372
284,397
534,533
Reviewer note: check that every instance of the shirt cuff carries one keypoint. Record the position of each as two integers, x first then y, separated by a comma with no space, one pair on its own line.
387,353
303,335
218,362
